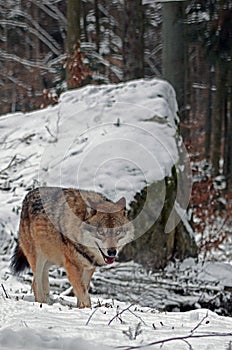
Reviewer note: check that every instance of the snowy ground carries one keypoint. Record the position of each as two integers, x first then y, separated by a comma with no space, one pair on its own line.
109,324
94,139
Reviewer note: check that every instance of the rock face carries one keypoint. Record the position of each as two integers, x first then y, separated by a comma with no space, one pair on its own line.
155,247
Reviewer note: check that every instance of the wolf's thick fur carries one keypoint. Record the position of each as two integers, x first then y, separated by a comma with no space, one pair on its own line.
78,230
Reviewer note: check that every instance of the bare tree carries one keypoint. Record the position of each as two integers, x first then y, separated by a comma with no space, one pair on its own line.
29,47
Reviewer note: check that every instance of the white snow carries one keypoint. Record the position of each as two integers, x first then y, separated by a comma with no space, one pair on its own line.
114,139
27,325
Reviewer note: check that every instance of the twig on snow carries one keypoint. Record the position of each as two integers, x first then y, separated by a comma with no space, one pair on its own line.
51,134
6,295
183,338
89,319
120,313
140,318
200,323
9,165
133,334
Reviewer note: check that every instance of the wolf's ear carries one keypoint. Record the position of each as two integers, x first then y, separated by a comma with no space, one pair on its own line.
90,209
121,204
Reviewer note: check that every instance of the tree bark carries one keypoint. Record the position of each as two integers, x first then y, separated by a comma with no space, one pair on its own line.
174,50
227,165
73,31
97,26
133,44
73,18
208,122
218,116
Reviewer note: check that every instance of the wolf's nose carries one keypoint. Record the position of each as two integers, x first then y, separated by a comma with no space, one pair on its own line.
111,252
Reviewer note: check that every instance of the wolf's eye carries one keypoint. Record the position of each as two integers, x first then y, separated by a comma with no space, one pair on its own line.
118,233
100,232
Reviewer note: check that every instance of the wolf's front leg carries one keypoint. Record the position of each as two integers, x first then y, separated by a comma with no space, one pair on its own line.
75,275
40,283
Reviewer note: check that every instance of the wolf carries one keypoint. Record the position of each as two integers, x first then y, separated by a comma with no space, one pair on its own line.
78,230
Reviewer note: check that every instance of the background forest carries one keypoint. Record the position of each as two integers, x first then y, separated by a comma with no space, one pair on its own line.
49,46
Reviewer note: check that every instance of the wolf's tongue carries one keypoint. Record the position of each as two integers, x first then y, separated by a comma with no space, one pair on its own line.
109,260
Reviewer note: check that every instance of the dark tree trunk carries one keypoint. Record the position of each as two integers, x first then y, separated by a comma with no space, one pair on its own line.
133,41
218,117
227,169
208,124
73,19
97,25
73,31
84,16
174,49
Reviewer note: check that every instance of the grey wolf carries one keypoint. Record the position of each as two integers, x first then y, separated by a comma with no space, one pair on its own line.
76,229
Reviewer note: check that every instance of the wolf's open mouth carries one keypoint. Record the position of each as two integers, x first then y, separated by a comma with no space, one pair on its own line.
107,259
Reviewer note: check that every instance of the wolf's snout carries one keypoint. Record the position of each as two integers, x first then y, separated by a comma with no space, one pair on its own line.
112,252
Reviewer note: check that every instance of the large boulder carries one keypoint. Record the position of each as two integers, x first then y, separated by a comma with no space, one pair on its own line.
120,140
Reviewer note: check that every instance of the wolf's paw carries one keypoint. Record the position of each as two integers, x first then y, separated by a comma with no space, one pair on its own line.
81,304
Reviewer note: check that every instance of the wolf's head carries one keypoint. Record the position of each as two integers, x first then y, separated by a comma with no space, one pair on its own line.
107,228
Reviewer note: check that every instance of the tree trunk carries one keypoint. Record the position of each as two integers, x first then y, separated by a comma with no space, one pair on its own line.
73,19
218,116
97,26
133,45
173,54
208,123
73,31
227,168
84,17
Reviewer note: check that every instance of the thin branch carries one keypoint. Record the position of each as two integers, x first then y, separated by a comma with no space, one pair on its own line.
200,323
50,133
15,161
37,30
90,317
26,62
9,165
189,345
140,318
181,338
6,295
120,313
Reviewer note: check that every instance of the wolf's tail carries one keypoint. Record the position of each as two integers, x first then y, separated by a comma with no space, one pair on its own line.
18,261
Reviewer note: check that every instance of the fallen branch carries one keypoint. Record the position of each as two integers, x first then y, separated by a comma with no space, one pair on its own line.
6,295
9,165
182,338
200,323
89,319
120,313
140,318
14,161
55,139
